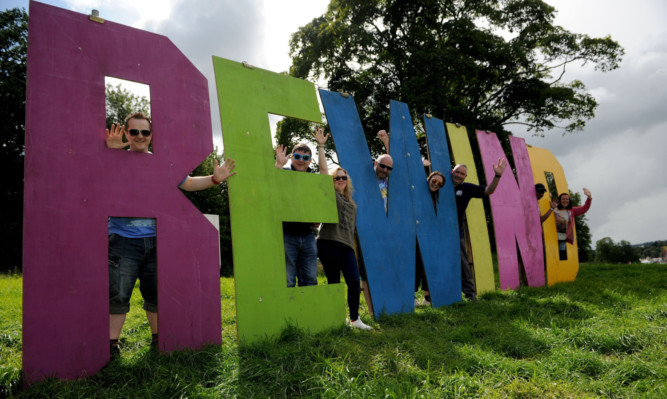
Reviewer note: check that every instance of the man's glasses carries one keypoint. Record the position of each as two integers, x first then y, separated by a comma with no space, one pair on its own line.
340,178
383,166
135,132
299,157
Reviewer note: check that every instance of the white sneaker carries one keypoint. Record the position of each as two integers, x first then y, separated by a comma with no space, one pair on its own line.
416,302
360,325
424,302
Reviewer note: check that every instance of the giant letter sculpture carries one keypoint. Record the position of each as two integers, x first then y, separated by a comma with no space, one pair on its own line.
261,197
73,183
557,270
437,234
515,213
387,239
479,234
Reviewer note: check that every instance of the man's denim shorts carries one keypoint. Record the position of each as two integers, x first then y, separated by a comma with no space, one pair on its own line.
129,259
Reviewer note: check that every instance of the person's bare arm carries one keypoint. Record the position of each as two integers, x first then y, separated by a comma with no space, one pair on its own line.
384,138
498,169
554,205
321,155
220,174
115,137
281,156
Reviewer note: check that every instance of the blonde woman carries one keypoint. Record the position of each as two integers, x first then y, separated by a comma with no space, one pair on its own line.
335,246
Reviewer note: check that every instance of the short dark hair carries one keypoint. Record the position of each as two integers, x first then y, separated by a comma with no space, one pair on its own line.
303,147
139,115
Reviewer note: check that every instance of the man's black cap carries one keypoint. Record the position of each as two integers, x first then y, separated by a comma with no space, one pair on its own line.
539,188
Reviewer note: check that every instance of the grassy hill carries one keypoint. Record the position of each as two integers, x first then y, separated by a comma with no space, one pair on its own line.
605,335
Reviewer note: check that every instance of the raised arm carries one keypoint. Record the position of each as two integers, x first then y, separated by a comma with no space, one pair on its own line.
281,156
115,137
321,139
554,205
498,169
384,138
580,210
220,174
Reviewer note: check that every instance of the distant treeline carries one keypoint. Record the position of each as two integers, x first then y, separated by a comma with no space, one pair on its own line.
651,249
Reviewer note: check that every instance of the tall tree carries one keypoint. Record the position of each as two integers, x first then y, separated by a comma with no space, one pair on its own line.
606,251
13,54
482,63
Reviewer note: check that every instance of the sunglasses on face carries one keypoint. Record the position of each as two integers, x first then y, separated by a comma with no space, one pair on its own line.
135,132
299,157
344,178
437,183
383,166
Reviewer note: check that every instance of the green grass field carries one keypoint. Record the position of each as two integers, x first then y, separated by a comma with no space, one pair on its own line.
604,335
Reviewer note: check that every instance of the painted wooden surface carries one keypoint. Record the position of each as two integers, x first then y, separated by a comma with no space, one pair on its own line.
261,197
558,271
73,184
515,212
387,239
479,234
438,234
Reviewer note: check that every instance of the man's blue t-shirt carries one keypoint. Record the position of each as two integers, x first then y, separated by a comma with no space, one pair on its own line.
132,227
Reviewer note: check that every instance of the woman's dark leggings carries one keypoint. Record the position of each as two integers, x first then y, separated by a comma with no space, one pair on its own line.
337,257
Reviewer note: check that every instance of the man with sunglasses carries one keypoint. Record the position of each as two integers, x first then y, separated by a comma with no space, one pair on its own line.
464,192
132,241
299,238
383,167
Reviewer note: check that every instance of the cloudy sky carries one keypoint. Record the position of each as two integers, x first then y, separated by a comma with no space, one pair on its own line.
620,155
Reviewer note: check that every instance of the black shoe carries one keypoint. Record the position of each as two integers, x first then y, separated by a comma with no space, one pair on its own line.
471,298
114,348
154,343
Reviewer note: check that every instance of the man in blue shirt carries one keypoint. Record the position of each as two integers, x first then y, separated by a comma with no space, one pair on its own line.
298,237
132,241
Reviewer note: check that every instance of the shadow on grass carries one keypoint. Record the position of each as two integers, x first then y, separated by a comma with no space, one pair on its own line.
537,339
467,337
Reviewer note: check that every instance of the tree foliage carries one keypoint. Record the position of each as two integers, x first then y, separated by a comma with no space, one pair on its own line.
606,251
120,102
13,54
651,249
482,63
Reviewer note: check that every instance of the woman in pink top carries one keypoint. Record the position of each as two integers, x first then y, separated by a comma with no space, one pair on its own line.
565,220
